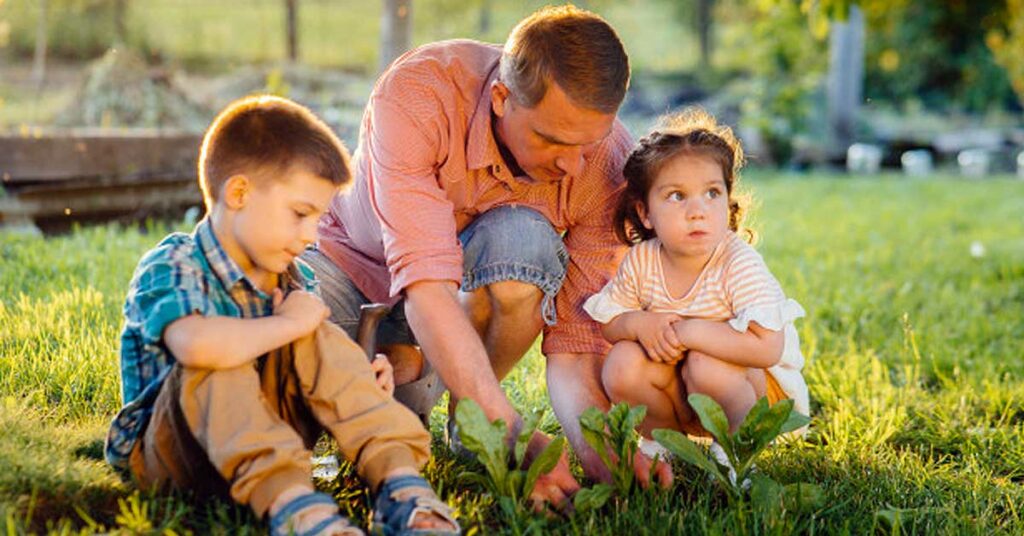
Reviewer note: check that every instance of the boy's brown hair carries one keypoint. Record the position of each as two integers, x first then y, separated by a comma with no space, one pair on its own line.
261,136
576,49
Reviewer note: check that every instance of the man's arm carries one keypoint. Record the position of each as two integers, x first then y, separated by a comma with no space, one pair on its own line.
454,348
221,342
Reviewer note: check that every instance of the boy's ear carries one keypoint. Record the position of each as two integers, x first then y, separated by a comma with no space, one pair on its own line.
641,211
236,191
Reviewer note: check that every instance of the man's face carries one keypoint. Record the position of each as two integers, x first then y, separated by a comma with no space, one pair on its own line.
552,139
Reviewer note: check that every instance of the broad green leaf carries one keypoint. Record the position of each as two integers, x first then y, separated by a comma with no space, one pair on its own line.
766,496
588,499
484,438
543,463
514,484
479,479
677,443
530,421
592,425
795,421
803,497
765,429
635,417
712,418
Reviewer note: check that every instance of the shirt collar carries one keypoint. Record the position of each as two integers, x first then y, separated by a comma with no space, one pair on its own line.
481,147
223,266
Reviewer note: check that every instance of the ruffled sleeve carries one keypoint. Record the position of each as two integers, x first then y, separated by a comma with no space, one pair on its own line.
773,317
621,294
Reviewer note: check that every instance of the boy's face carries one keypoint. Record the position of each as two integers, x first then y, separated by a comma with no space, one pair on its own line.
277,218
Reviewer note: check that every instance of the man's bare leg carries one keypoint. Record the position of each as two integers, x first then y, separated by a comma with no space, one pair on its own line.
507,316
574,384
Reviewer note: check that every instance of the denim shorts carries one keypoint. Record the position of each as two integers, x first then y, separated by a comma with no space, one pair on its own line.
505,243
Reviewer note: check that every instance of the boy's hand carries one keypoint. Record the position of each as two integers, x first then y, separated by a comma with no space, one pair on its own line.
385,374
655,333
304,309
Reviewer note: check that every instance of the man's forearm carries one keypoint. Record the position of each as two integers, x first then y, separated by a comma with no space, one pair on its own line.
454,348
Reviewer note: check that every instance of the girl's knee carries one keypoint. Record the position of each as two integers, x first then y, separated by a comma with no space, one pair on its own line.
621,374
703,373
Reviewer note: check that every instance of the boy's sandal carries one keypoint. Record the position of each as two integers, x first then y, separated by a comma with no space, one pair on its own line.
280,522
395,517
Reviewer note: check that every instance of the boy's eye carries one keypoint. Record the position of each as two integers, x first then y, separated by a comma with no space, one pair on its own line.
675,196
299,214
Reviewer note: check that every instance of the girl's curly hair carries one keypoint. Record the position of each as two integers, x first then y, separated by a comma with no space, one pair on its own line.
692,132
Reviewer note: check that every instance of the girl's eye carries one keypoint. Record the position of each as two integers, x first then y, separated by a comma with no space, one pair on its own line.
714,193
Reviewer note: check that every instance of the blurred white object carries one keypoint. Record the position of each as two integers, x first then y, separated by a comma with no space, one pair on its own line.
974,162
1020,165
326,467
977,249
917,163
863,158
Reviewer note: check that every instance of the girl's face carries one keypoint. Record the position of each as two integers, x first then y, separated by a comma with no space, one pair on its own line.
688,206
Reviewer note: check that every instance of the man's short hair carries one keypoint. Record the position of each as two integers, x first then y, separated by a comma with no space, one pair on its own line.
260,135
576,49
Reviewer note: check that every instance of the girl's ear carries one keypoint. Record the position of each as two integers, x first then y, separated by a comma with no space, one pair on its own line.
236,191
641,210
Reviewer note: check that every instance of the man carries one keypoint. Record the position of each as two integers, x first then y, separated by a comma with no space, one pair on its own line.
482,208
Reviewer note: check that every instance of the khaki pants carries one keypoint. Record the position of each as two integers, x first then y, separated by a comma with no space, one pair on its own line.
246,432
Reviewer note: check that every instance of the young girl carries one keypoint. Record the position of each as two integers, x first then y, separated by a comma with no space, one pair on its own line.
693,308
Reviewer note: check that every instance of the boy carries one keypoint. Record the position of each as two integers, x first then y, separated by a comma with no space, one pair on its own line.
229,370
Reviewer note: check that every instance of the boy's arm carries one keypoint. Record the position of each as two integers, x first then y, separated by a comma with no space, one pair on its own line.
220,342
757,347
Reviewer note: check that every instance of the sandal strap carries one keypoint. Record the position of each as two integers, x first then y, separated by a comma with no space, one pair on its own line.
296,505
396,516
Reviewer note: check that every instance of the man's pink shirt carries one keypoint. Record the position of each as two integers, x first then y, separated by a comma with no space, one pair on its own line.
427,164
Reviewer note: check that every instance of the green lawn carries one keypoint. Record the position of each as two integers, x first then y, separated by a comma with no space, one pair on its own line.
914,351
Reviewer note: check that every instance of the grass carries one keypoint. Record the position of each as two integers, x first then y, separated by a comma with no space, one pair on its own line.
914,368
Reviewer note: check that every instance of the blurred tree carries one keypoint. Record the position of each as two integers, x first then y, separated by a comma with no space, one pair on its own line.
39,56
1008,46
291,29
395,31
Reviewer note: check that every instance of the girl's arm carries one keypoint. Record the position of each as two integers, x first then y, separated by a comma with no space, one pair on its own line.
757,347
653,331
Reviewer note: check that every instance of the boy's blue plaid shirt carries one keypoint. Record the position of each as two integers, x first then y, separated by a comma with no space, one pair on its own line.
183,275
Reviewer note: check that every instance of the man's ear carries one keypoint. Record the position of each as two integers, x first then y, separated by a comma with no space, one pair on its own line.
499,98
236,191
641,210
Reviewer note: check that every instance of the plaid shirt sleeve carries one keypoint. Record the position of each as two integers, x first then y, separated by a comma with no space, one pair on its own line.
167,289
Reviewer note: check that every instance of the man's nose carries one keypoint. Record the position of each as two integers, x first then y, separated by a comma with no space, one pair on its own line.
571,161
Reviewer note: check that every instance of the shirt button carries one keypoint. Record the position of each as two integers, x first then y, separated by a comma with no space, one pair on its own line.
497,168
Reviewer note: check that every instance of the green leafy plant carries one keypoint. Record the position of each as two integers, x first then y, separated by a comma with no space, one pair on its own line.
763,424
487,440
614,437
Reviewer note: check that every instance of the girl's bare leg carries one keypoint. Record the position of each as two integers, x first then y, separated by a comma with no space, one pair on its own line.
735,388
629,376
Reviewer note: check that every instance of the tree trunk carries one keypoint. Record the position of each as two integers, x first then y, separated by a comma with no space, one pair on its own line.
39,58
395,31
845,80
704,31
291,20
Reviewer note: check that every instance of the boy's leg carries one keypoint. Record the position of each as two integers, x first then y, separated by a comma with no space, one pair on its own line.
628,376
213,431
339,390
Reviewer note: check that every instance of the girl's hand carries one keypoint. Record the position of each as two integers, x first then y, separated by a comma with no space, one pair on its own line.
655,333
385,373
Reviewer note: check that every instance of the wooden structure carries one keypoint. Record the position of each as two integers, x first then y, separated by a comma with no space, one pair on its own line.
90,174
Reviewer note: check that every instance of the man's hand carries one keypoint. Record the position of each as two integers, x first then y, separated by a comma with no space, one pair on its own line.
642,469
556,487
304,309
655,333
385,373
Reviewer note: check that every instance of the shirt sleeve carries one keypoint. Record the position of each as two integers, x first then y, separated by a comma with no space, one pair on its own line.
620,295
403,144
749,285
166,289
594,252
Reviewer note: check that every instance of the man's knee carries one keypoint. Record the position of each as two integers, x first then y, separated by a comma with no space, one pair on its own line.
511,296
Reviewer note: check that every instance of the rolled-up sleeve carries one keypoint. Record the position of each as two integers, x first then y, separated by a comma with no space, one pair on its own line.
403,145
